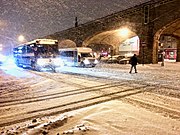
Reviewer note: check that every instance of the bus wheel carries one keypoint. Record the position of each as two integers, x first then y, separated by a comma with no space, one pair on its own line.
32,65
53,69
35,67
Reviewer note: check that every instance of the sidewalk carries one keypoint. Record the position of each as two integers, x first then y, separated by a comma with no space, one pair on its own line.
174,66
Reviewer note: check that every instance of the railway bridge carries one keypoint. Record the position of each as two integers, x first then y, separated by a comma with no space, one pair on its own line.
153,22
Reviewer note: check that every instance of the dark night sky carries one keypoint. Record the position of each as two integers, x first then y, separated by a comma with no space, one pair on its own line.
36,18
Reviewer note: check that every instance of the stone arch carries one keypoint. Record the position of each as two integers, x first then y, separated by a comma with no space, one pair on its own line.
112,38
160,13
66,43
172,29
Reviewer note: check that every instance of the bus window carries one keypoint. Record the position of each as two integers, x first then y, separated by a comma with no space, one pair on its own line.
24,50
36,52
19,50
66,53
29,49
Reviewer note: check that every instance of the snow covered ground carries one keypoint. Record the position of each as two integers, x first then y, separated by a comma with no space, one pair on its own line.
105,100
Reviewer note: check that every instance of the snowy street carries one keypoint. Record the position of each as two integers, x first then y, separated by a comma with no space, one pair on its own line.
89,67
105,100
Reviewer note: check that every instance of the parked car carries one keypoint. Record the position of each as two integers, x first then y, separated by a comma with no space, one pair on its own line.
118,59
125,60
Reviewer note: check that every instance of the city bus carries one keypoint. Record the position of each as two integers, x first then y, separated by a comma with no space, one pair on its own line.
78,56
37,54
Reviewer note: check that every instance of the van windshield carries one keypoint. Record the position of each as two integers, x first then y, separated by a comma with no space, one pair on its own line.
86,55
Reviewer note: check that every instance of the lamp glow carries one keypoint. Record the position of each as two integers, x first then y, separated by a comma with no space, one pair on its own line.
21,38
124,32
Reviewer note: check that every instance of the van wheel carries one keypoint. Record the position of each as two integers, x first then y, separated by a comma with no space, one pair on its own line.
82,64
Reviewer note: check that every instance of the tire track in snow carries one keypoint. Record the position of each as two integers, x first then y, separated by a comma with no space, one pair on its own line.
94,100
58,94
155,107
72,105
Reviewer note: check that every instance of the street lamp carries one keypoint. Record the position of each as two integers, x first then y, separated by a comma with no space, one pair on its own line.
21,38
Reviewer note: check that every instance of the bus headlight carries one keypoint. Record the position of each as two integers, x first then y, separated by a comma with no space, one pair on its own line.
58,62
2,58
41,62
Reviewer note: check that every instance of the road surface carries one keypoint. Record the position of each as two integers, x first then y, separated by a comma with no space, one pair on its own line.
41,94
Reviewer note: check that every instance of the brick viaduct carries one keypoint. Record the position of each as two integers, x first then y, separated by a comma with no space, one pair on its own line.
149,21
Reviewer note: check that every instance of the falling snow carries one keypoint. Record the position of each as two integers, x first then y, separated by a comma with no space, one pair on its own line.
37,18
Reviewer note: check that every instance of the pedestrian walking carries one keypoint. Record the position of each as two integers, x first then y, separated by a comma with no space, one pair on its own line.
133,62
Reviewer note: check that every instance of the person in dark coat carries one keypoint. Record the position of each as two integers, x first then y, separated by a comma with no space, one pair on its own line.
133,62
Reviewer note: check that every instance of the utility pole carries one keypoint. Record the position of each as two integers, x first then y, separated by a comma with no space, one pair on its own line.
146,14
76,22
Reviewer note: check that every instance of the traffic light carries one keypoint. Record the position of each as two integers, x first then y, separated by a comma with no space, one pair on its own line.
146,14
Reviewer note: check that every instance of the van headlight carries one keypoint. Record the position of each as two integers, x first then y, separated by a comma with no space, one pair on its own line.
86,61
96,62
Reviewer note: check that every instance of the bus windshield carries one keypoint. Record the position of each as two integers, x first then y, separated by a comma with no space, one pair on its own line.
46,51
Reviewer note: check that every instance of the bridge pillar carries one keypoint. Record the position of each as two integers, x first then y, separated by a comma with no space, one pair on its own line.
147,53
178,50
116,50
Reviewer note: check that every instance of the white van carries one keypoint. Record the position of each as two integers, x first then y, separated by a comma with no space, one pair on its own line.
78,56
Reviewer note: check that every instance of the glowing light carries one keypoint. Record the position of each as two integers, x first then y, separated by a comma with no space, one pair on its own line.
21,38
1,47
2,58
86,61
124,32
9,67
96,61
